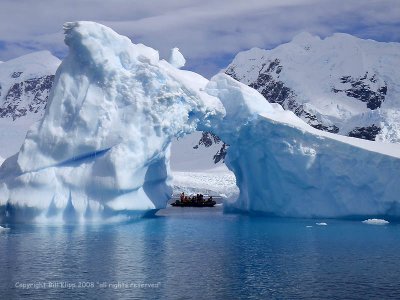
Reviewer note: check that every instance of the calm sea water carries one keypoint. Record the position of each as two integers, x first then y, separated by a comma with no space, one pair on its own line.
202,254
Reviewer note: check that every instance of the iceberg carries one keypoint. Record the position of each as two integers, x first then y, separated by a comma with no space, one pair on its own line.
285,167
103,146
375,222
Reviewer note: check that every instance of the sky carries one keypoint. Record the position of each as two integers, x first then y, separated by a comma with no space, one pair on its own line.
209,33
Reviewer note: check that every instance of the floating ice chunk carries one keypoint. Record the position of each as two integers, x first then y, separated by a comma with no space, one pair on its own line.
375,222
176,58
308,226
321,224
4,229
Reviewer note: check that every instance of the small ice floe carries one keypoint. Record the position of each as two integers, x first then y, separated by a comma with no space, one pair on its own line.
321,224
308,226
375,222
4,229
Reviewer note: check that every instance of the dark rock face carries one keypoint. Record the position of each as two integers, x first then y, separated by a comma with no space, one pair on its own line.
366,133
35,90
220,155
365,89
16,74
208,139
360,89
273,90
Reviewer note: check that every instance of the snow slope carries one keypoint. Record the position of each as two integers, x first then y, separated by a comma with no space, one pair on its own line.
25,84
103,146
341,84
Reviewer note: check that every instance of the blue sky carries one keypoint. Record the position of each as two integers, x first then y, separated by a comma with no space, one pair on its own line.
208,32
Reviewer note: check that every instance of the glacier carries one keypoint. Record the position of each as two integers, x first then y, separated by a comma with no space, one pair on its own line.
103,146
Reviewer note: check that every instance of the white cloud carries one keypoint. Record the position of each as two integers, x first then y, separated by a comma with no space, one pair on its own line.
206,31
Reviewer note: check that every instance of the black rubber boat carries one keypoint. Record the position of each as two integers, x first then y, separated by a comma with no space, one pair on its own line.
207,203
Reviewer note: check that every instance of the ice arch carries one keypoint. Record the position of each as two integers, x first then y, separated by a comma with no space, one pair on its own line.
103,144
102,147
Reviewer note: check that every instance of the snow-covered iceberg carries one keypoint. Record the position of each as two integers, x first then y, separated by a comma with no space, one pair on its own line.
103,146
285,167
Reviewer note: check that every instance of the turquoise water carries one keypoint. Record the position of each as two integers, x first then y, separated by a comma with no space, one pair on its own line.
185,253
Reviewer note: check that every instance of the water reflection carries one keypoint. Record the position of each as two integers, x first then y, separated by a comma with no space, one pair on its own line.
201,254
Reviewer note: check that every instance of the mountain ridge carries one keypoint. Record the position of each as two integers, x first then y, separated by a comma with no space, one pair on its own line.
341,84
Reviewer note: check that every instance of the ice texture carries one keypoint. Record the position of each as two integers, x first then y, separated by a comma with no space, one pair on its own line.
375,222
176,58
321,224
285,167
103,145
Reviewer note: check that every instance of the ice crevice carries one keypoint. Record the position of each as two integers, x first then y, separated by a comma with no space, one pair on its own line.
102,150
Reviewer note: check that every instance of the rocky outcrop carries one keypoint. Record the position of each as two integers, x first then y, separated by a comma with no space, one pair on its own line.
26,96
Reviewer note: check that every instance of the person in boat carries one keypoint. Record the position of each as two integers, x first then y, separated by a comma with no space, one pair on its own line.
182,197
210,199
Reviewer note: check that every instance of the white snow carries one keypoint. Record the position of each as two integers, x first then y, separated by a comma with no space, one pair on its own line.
321,224
194,170
219,181
313,67
375,222
29,66
22,70
103,146
176,58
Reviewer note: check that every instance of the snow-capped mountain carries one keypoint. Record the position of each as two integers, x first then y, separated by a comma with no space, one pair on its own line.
25,83
341,84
